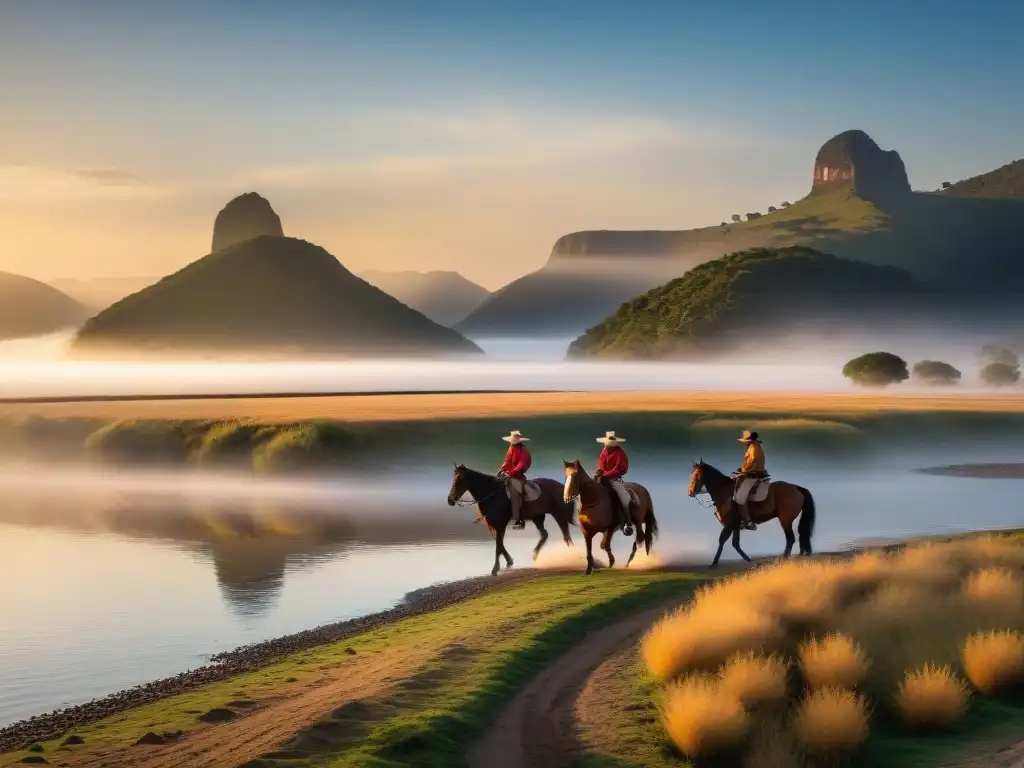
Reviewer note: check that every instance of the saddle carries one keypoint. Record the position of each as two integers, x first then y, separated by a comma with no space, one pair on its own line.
760,490
531,491
634,500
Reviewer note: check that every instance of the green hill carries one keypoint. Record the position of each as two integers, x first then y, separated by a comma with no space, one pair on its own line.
750,297
1007,181
274,295
859,207
32,308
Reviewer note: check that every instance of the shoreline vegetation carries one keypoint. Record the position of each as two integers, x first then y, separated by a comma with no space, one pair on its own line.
551,611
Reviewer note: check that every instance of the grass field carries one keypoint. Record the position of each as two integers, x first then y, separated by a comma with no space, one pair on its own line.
428,407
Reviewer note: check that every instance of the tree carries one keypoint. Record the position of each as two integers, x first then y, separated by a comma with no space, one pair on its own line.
737,218
772,209
994,353
752,216
785,203
1000,374
876,369
935,373
946,185
723,225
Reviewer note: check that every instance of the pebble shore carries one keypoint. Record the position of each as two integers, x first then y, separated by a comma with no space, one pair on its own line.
222,666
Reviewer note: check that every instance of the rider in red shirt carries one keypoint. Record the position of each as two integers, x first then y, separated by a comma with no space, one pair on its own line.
611,466
513,472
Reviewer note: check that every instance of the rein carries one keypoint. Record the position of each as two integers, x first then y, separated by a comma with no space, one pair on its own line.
473,502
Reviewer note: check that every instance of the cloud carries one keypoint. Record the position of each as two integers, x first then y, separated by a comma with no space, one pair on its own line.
441,146
35,183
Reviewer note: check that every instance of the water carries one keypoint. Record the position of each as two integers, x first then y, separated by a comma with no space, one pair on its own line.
109,580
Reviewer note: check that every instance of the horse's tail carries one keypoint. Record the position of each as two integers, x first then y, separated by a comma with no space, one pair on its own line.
650,530
805,528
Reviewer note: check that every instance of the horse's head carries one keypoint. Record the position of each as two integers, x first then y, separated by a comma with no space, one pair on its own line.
697,479
573,470
459,485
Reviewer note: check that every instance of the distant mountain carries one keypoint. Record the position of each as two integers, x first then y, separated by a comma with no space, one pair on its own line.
1007,181
754,297
444,297
243,218
266,295
860,207
32,308
100,292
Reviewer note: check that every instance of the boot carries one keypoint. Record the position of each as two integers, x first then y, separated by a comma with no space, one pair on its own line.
517,511
627,527
745,515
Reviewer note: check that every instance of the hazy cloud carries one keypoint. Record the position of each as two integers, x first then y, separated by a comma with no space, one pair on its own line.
34,183
108,176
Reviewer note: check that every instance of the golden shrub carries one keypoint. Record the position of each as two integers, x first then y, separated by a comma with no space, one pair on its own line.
994,661
754,679
833,661
831,720
701,719
932,697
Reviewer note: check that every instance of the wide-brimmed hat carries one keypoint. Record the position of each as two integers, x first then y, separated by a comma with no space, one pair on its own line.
750,437
515,437
610,438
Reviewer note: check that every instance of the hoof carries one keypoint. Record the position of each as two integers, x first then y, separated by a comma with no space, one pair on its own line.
627,530
536,554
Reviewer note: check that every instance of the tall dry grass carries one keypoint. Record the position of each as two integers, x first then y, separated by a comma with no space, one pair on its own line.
701,719
833,661
898,631
994,661
932,697
831,721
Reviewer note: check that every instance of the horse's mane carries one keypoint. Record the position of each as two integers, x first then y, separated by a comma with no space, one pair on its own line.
713,475
477,474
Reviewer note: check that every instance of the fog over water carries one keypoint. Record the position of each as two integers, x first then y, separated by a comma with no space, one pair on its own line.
37,368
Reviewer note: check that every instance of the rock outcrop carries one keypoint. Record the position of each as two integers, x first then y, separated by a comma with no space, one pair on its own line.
247,216
852,160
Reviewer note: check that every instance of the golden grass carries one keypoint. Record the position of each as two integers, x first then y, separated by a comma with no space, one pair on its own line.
833,661
776,425
831,720
932,697
701,719
994,584
754,679
994,661
362,408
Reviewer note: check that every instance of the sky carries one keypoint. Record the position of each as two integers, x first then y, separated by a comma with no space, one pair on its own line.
407,134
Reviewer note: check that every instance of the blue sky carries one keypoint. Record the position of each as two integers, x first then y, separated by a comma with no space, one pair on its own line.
465,135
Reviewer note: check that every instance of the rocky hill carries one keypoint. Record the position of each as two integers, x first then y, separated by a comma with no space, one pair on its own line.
32,308
749,298
859,207
1007,181
273,295
247,216
444,297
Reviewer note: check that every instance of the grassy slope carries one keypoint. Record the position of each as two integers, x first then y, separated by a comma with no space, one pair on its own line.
505,637
1006,181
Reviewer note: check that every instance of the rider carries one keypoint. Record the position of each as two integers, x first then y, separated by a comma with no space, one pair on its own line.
746,477
513,472
612,464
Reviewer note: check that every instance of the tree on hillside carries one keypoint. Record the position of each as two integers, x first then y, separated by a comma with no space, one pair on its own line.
751,216
772,209
994,353
935,373
1000,374
876,369
723,225
785,203
946,185
737,218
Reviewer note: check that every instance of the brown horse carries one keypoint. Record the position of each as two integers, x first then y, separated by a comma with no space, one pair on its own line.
598,516
495,508
785,501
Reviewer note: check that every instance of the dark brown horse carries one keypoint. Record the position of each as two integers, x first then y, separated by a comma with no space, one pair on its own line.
785,501
598,516
495,508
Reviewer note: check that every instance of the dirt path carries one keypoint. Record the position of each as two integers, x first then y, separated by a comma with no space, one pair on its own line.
538,729
269,726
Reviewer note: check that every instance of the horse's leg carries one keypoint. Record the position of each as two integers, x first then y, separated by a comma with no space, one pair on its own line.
499,547
588,536
539,522
504,552
637,541
724,537
606,545
736,544
787,528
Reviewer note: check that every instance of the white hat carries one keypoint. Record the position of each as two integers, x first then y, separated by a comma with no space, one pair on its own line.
750,437
515,437
610,438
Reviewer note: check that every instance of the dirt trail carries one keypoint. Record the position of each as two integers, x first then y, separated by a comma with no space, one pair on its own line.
267,727
538,729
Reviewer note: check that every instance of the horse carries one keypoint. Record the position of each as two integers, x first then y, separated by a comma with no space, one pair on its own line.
495,508
785,501
597,515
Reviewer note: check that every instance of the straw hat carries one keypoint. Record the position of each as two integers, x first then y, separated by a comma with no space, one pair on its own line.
515,437
611,439
750,437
